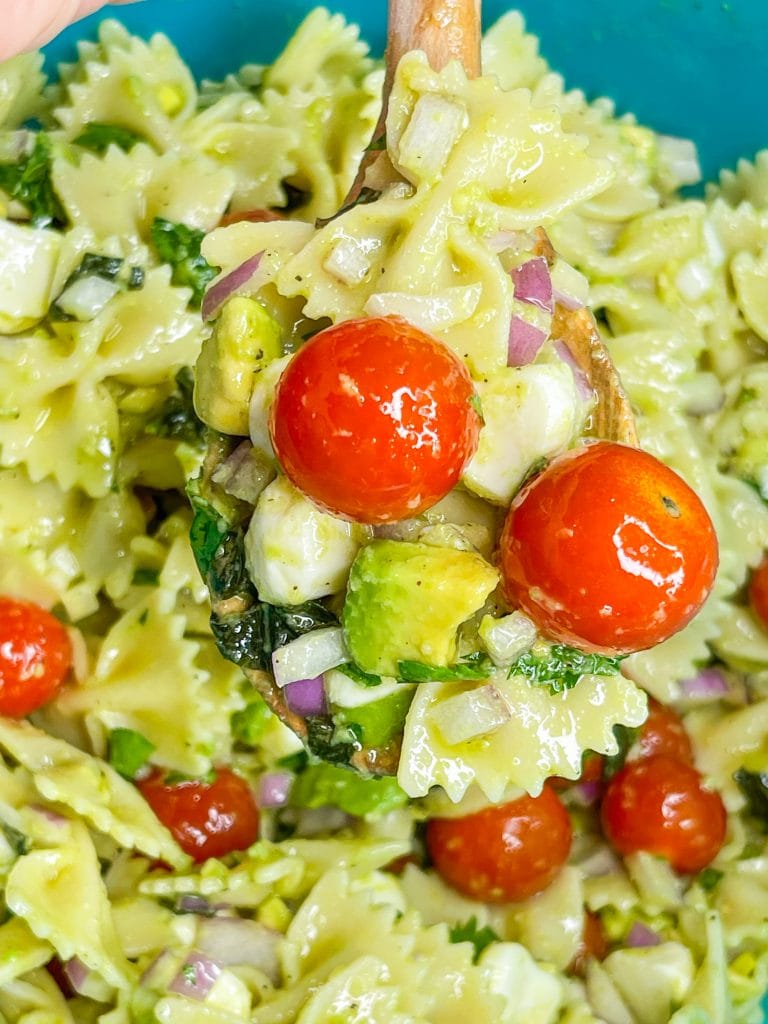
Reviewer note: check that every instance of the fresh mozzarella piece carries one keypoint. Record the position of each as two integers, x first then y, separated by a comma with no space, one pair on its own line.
530,412
261,402
28,259
346,693
294,551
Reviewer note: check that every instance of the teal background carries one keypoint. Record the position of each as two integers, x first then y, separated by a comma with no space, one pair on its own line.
685,67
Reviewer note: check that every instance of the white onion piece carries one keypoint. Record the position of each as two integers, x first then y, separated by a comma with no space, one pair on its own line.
86,298
525,341
583,387
704,395
309,655
307,696
77,974
234,942
520,241
274,788
507,638
196,978
471,713
435,126
641,936
709,684
228,286
244,474
570,288
677,162
351,259
533,283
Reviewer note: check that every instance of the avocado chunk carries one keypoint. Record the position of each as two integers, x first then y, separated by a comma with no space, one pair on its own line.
380,721
406,601
245,339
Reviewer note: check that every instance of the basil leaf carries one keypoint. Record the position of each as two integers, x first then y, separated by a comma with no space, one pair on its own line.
177,419
475,667
561,667
99,136
128,751
480,938
358,675
754,786
29,181
179,246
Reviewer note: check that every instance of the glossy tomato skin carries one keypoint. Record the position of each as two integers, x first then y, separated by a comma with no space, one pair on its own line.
207,819
608,550
503,853
660,806
663,732
758,593
374,420
35,656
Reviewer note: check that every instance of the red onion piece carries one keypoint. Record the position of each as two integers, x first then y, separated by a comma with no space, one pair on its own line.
226,286
189,903
233,941
565,300
196,978
274,787
525,340
533,283
641,935
588,793
306,696
77,973
583,387
709,684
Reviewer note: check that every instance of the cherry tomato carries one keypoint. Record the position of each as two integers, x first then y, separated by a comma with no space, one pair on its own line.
35,656
374,420
608,549
593,946
660,805
207,819
254,216
663,732
758,593
503,853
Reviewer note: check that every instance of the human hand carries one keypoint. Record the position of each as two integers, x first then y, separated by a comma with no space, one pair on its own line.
27,24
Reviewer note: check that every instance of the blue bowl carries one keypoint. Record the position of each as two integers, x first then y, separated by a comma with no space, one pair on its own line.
685,67
694,68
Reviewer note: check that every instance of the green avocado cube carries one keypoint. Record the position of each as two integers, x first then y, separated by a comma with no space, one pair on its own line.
244,340
406,601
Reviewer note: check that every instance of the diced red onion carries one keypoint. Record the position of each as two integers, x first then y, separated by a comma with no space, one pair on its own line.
244,474
565,300
640,935
192,904
583,387
77,973
226,286
306,696
533,283
588,793
525,340
196,978
234,941
709,684
274,787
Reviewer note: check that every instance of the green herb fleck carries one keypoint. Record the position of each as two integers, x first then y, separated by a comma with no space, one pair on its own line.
477,666
177,419
625,737
179,246
128,751
561,667
708,878
15,839
29,181
190,973
175,778
378,144
479,937
295,762
99,136
358,675
477,405
754,786
145,578
248,724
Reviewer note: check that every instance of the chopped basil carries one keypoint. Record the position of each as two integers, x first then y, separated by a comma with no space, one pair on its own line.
99,136
479,937
754,786
29,182
128,751
177,419
295,762
560,666
625,737
476,666
355,673
15,839
249,724
145,578
109,268
708,878
179,246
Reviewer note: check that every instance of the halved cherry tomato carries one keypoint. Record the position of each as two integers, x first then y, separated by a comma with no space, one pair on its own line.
608,549
35,656
758,592
254,216
374,420
503,853
663,732
659,805
593,946
207,819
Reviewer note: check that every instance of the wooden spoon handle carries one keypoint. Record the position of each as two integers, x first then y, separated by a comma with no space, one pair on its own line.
445,30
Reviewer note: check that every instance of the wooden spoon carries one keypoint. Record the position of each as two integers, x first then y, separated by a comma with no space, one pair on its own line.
445,30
